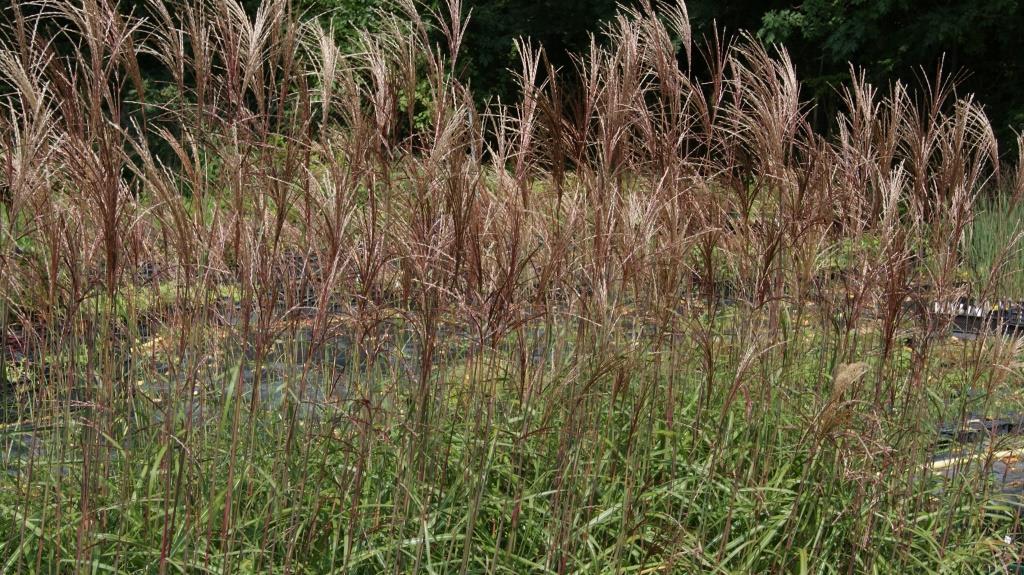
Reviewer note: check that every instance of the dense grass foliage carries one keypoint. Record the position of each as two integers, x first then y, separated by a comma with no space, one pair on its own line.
994,253
311,311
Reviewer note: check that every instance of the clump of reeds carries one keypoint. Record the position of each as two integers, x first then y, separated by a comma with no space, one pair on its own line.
307,310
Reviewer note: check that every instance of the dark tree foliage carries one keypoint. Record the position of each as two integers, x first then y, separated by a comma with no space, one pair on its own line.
981,41
563,27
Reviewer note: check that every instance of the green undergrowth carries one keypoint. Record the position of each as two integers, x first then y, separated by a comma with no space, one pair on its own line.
994,248
600,454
